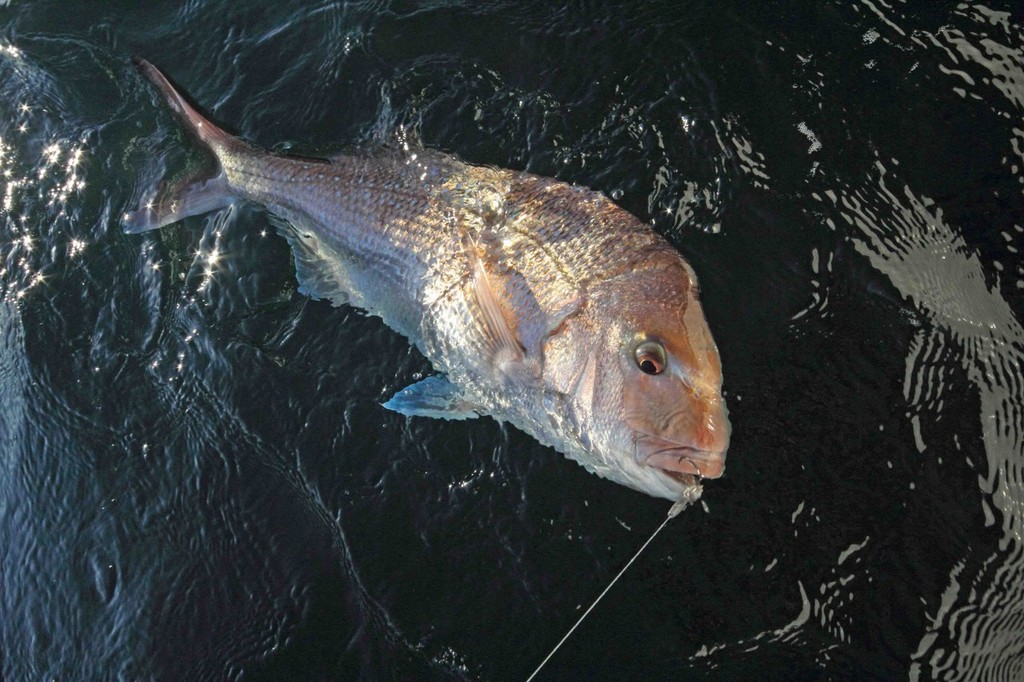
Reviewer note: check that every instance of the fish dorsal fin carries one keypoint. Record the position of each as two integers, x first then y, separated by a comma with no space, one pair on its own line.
324,160
498,326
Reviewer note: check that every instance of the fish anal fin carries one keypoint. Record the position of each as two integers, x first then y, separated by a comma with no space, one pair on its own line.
316,271
434,397
171,202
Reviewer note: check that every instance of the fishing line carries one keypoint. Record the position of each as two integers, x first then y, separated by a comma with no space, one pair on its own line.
691,495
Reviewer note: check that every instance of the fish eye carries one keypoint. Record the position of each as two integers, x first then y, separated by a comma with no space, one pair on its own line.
651,357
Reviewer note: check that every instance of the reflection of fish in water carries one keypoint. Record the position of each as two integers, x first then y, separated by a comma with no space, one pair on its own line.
542,304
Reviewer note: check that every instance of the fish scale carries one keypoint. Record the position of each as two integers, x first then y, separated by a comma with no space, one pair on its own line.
534,299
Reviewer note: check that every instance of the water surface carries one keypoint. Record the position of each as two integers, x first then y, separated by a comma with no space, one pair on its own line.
197,480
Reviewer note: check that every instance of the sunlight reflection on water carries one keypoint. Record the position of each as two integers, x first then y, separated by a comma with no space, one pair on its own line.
202,450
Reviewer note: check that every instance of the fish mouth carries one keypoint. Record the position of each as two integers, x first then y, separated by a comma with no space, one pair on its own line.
683,463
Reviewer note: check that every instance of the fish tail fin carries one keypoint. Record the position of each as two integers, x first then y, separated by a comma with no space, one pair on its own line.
205,190
206,132
174,201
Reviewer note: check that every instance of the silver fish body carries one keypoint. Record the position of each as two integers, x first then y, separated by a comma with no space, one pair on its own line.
531,297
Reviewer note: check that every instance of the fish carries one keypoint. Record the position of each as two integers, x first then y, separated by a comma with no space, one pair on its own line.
539,303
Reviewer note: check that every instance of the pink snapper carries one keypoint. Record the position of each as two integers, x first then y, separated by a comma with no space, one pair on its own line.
539,303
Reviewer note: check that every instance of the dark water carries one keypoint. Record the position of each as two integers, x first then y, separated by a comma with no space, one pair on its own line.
197,480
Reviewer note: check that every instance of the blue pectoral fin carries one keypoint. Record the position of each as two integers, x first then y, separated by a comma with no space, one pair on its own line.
434,397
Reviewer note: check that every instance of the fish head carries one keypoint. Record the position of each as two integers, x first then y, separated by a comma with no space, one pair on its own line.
642,380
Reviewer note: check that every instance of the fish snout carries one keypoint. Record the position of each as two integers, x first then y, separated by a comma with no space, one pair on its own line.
699,450
712,431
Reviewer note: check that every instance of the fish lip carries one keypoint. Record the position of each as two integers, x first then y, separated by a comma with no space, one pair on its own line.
684,463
